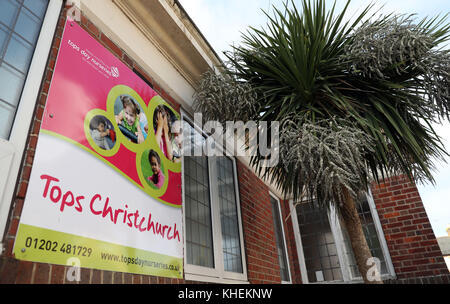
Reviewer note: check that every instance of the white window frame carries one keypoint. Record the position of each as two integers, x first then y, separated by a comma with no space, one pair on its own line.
216,274
340,246
11,150
284,238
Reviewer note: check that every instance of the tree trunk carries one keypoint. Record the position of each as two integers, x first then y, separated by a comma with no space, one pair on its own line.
358,241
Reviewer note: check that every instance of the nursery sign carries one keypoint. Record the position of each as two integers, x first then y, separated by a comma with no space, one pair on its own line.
105,187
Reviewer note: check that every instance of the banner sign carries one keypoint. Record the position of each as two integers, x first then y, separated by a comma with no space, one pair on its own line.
105,187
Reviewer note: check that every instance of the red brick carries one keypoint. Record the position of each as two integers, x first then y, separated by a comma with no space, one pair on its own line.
411,190
93,29
127,278
417,210
421,220
413,200
9,246
415,250
43,100
437,266
399,197
127,60
387,205
396,187
57,274
84,20
408,228
393,225
386,194
36,127
153,280
423,273
136,279
111,45
39,112
408,269
406,217
53,54
85,276
57,42
96,276
412,239
390,215
8,270
118,278
24,272
26,172
41,273
428,243
402,207
51,65
107,277
22,190
14,224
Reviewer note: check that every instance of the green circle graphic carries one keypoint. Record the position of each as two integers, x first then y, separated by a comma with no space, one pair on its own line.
87,131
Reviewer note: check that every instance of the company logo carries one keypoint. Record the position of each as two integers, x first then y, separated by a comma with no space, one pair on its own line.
115,72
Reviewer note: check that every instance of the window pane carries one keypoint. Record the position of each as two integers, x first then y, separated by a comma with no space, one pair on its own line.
8,12
319,248
11,83
349,252
27,26
6,118
3,37
199,242
370,232
228,216
19,53
38,7
282,256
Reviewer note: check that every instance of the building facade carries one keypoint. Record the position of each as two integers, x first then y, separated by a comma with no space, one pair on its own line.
236,227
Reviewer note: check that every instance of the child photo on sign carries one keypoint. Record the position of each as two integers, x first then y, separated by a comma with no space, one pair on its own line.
102,132
167,132
129,115
157,178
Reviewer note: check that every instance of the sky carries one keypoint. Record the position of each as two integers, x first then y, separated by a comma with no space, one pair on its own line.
222,22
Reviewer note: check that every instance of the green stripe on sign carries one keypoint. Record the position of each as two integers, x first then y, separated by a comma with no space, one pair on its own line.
48,246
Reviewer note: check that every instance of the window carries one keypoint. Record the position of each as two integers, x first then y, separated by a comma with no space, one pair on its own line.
213,232
326,254
319,247
280,240
27,28
370,232
20,24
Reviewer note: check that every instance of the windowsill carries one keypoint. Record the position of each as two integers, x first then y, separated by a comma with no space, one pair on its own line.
356,280
209,279
384,277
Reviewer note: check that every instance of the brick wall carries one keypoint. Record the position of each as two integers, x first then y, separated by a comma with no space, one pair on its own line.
256,211
412,244
259,237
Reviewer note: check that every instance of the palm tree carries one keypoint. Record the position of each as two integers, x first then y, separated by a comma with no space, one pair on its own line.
356,101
